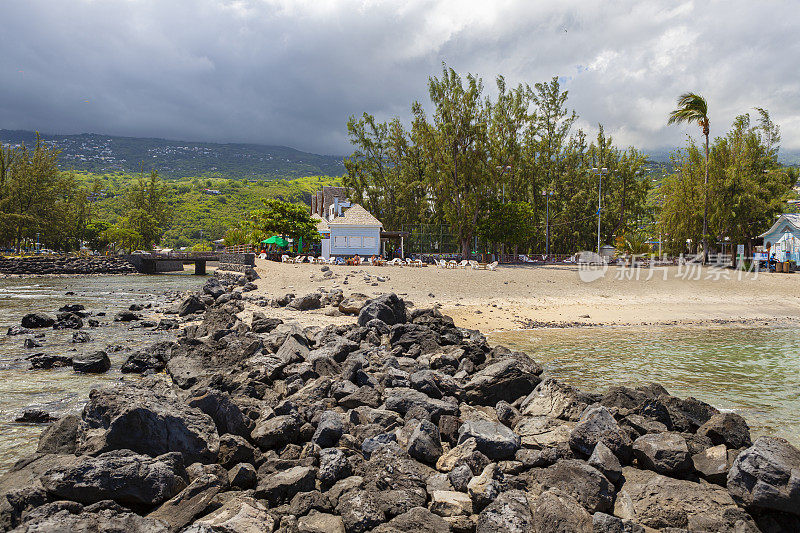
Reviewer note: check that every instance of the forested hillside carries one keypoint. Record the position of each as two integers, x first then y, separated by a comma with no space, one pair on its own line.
92,152
204,208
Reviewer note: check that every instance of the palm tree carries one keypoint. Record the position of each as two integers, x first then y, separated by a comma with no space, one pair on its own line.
693,108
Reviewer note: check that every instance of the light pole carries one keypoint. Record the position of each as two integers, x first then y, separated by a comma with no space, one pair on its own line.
600,172
547,195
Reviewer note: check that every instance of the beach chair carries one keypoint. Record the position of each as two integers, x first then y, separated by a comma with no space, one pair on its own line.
452,264
441,263
417,263
286,259
473,264
262,256
299,259
463,264
396,261
492,266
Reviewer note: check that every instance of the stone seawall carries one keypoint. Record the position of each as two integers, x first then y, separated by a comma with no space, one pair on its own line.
65,265
237,262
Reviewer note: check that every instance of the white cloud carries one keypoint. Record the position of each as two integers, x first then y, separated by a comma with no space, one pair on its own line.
291,72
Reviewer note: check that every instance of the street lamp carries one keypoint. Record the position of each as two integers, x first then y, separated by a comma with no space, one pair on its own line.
503,170
547,195
599,172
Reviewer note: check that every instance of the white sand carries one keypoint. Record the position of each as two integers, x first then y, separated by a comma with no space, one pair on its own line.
511,296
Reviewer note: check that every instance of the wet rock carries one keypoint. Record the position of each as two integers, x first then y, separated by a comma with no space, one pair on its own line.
686,415
81,337
31,343
68,321
493,439
120,475
190,305
147,418
660,502
37,320
729,429
665,453
767,476
92,363
34,416
153,357
19,330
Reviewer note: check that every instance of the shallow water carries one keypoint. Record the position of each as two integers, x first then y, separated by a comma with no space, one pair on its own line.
61,391
752,371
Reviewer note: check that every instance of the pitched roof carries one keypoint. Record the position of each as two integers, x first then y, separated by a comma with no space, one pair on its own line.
356,216
322,226
792,218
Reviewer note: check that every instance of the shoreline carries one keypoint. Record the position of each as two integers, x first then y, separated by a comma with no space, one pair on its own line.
393,421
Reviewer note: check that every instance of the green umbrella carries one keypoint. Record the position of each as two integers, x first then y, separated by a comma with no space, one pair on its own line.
276,240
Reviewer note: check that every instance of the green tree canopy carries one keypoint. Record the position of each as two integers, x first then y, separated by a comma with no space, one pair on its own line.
285,219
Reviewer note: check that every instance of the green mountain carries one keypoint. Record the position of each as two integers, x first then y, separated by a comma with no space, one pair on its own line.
91,152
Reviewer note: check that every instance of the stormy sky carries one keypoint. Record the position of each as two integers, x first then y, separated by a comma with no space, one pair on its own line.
290,72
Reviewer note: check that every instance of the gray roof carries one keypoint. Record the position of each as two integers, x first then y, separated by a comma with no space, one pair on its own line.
356,215
322,225
793,219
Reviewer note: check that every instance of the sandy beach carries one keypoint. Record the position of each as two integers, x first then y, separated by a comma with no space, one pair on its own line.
520,297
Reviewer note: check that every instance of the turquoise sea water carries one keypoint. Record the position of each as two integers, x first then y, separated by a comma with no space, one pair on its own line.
754,371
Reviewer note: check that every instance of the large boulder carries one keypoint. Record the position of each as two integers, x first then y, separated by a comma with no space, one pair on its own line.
190,305
240,514
37,320
555,511
387,308
504,380
153,357
148,418
556,400
305,303
767,476
493,439
584,483
360,511
92,363
403,399
597,424
661,502
276,431
685,414
729,429
281,487
352,304
666,453
227,416
106,517
191,501
60,437
509,513
121,475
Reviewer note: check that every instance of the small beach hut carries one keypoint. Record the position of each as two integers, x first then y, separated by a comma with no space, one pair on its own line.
355,231
783,238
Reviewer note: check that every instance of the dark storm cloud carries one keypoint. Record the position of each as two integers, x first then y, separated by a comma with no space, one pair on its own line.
292,72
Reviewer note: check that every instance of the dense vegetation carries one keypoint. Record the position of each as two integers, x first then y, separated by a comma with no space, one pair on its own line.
95,153
486,166
200,215
474,154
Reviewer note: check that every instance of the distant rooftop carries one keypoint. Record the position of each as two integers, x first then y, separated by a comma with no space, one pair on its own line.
356,216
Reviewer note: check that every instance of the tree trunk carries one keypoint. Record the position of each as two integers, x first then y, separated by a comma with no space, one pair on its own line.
465,247
705,205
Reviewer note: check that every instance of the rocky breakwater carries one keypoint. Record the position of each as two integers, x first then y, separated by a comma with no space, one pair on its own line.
38,266
400,422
